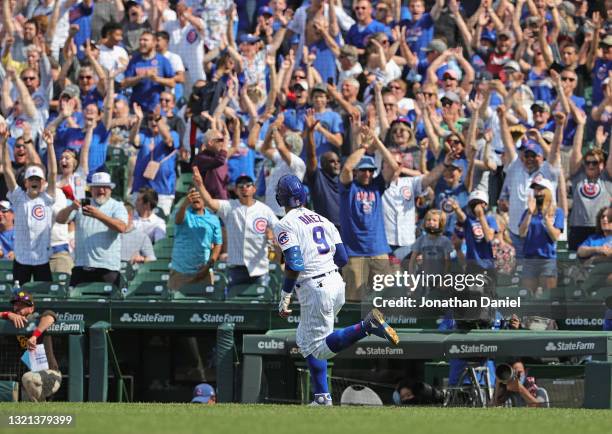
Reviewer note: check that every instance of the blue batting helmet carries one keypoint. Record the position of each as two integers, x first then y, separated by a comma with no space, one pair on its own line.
290,192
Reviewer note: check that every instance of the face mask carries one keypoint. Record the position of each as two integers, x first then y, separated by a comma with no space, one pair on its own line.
433,231
539,200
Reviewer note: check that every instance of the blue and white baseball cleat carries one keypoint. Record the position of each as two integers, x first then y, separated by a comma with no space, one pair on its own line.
375,324
323,399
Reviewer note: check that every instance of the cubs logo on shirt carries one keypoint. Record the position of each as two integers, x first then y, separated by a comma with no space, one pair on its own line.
406,193
590,190
446,205
283,238
192,36
38,212
367,207
477,231
260,225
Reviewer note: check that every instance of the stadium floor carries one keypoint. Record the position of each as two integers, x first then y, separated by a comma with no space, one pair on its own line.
111,418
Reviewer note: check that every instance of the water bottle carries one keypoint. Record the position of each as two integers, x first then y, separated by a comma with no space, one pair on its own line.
16,287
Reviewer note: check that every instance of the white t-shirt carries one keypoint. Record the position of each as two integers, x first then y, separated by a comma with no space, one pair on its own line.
154,226
113,58
247,243
314,235
59,232
188,43
280,169
399,210
33,220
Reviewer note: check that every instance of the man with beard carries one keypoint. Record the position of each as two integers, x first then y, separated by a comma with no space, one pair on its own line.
34,214
99,223
23,155
148,73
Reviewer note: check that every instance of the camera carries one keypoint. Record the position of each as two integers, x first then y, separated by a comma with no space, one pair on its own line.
505,373
423,394
86,202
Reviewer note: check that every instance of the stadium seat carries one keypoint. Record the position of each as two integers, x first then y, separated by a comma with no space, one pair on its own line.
250,293
46,290
6,276
146,289
198,291
6,265
153,266
94,290
127,271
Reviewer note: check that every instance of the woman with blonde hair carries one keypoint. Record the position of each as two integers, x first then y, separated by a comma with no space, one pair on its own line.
541,225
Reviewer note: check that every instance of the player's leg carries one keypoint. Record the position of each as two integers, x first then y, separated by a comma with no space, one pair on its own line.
318,377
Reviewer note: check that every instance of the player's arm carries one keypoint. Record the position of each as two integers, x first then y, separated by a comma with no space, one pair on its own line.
46,321
294,264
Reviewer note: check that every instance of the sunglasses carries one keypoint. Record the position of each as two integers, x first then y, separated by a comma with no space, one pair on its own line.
390,105
591,162
165,99
367,170
568,79
446,103
155,120
85,77
429,94
28,78
454,142
530,155
245,185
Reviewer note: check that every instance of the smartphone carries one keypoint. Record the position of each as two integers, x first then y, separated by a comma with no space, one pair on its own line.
86,202
330,81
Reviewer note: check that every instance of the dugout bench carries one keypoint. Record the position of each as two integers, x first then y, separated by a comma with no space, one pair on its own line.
73,330
430,344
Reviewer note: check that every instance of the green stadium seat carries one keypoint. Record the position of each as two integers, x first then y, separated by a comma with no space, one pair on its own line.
145,289
6,290
199,291
250,293
6,276
153,266
600,293
46,290
508,279
6,265
510,291
94,290
127,271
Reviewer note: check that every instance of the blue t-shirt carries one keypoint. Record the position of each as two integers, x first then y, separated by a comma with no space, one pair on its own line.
333,123
541,86
193,240
443,193
165,179
570,128
538,243
358,37
146,92
7,242
598,75
479,249
81,16
361,224
419,33
597,240
325,62
324,194
241,163
93,96
73,138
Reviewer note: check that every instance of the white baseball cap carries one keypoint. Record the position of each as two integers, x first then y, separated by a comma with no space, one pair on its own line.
5,205
542,182
479,195
34,171
101,179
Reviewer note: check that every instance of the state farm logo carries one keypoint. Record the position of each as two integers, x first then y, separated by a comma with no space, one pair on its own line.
146,317
377,351
217,318
271,345
569,346
469,349
67,316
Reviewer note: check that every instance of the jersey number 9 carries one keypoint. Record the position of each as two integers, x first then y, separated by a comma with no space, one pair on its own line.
318,236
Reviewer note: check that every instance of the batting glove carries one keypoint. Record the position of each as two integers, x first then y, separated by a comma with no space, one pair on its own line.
283,305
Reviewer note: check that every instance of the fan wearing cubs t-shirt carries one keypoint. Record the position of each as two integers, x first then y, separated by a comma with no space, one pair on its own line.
33,210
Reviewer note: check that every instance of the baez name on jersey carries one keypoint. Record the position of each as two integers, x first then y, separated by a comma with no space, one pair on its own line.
310,218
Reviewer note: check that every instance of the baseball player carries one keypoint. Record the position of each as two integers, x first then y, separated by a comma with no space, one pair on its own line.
313,254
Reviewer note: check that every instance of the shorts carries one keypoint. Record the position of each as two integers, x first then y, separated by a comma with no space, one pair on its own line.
320,301
539,267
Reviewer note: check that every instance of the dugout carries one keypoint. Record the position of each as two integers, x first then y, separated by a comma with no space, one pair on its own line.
271,362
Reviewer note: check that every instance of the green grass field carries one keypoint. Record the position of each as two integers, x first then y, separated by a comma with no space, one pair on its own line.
107,418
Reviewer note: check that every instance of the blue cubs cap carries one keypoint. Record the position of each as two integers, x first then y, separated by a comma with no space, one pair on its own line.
488,35
290,192
533,146
202,393
366,162
265,10
248,38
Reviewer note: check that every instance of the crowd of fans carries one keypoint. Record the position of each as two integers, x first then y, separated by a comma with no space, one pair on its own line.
429,132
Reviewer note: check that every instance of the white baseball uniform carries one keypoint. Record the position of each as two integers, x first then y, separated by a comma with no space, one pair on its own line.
319,288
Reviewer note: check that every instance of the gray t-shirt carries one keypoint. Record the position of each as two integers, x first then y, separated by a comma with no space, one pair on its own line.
589,197
136,242
434,250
